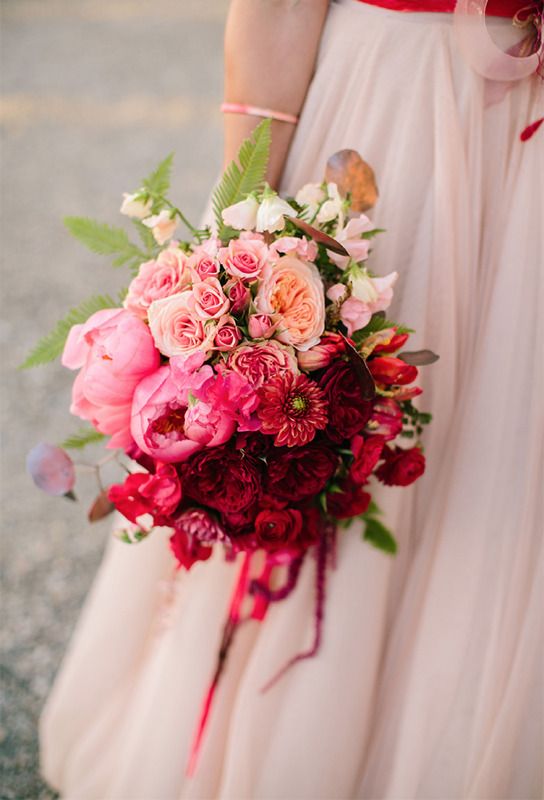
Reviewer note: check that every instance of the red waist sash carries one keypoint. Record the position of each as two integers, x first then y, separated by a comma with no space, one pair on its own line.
495,8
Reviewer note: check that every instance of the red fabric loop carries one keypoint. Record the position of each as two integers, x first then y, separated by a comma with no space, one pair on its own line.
495,8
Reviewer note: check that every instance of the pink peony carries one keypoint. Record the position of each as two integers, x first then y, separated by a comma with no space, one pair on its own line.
292,294
159,407
231,396
114,351
306,249
260,361
208,424
166,276
176,327
245,258
209,301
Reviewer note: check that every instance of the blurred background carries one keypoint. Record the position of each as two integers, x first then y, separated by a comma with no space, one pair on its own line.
94,94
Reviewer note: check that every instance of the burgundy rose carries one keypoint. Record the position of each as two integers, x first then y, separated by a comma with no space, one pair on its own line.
299,472
225,479
278,530
187,550
366,452
348,409
392,371
141,493
401,467
256,444
350,502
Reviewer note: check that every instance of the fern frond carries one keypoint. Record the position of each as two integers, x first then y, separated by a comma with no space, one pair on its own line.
105,240
244,177
81,438
158,182
52,345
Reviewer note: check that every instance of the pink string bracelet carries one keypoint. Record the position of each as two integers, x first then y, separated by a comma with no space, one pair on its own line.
255,111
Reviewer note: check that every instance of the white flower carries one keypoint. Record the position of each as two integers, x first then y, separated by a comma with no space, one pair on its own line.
270,216
311,195
333,207
134,206
162,226
242,215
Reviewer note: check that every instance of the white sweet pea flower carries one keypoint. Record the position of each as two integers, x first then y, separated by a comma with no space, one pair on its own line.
162,226
333,207
270,216
311,195
242,215
134,206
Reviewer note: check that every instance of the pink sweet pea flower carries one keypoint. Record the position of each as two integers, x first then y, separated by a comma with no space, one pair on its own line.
350,237
304,248
113,350
162,226
368,295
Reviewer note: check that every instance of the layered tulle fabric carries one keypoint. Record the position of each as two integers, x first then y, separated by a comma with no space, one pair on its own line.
428,684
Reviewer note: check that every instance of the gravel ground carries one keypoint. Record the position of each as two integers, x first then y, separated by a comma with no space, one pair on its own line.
94,94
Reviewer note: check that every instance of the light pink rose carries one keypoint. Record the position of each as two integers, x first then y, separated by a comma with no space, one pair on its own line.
304,248
260,326
350,237
209,247
227,334
113,350
205,266
238,294
169,274
245,258
162,226
209,301
259,361
292,293
176,328
159,408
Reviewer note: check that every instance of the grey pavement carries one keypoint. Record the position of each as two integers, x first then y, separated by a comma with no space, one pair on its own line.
93,95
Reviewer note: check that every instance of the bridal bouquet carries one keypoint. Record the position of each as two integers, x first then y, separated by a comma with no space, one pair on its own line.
250,376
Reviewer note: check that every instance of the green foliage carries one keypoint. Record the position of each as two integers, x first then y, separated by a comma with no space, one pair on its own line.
146,236
244,177
158,182
378,535
84,436
414,418
371,234
106,240
52,345
379,322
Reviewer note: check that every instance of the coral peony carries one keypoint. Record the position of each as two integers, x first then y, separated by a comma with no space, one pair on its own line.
293,408
114,350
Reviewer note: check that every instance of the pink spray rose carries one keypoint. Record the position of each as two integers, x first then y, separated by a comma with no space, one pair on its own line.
238,294
114,351
259,361
169,274
209,301
291,292
204,265
260,326
159,408
227,334
176,327
245,258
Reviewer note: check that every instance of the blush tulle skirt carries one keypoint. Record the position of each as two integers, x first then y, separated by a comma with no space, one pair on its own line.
429,680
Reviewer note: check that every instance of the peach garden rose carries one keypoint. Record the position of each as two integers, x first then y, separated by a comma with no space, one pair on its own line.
176,328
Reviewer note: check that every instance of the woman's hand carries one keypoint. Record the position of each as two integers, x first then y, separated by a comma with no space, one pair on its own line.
270,53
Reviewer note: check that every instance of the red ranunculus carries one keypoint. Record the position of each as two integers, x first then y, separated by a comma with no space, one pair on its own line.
348,409
401,467
187,550
350,502
278,530
225,479
392,371
367,452
141,493
299,472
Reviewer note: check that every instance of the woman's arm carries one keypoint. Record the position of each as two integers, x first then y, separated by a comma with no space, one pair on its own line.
270,52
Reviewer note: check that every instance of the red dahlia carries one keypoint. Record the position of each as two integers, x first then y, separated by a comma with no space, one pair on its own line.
293,407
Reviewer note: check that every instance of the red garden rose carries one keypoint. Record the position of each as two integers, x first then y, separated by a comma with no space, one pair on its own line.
366,452
350,502
278,530
225,479
300,472
187,550
141,493
401,467
348,408
392,371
